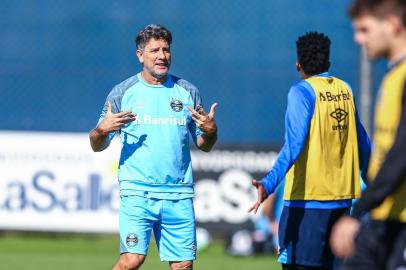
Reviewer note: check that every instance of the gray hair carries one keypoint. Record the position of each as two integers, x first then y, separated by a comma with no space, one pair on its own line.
154,31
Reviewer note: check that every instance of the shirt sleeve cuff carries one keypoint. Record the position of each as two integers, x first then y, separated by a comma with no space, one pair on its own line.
269,189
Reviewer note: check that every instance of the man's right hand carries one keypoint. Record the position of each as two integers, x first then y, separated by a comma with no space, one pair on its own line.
114,121
111,122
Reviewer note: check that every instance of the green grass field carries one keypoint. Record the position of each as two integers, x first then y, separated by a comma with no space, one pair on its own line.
71,252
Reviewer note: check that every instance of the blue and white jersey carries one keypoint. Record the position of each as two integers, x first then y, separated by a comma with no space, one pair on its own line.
155,154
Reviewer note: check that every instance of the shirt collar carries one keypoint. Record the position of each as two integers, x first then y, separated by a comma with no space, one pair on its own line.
397,62
324,74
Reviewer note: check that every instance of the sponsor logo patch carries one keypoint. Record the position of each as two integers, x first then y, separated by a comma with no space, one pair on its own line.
331,97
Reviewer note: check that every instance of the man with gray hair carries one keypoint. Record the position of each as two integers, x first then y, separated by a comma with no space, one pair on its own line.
154,112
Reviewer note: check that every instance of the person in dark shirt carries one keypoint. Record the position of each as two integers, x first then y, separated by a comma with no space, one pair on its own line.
380,27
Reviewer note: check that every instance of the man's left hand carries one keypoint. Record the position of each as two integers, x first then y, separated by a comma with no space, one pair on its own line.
343,236
205,121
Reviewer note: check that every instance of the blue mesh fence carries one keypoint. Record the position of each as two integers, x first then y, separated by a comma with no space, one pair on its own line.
59,59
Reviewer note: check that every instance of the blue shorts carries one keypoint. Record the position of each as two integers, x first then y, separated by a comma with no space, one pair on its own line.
304,236
173,223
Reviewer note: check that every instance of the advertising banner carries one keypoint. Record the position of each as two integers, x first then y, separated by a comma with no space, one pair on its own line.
55,182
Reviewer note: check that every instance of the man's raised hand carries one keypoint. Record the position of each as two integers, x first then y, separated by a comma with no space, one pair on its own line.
205,121
115,121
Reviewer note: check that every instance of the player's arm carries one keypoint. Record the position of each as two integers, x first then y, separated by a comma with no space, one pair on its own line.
392,173
299,112
207,124
98,140
364,148
111,122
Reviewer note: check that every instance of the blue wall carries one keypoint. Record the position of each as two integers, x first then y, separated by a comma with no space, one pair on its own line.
59,59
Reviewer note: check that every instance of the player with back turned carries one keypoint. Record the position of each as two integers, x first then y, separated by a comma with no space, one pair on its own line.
324,152
380,27
154,112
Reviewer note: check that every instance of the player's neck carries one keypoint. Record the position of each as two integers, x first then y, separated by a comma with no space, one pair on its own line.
303,75
148,78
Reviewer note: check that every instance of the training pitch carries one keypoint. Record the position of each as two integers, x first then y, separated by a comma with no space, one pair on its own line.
84,252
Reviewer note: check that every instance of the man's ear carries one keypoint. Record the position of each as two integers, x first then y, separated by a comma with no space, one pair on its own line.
298,67
395,23
140,55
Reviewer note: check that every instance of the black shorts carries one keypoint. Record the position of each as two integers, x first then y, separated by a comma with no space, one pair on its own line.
304,236
379,245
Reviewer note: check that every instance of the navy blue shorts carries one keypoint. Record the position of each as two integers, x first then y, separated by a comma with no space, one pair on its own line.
304,236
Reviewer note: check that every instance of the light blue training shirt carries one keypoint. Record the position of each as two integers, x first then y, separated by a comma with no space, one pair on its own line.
299,113
155,156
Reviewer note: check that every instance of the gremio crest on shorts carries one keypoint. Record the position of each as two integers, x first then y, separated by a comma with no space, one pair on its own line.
131,240
176,105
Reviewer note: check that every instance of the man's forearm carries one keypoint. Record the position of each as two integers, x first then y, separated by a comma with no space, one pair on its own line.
98,140
206,141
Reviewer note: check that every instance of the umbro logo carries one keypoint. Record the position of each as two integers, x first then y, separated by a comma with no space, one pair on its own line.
339,114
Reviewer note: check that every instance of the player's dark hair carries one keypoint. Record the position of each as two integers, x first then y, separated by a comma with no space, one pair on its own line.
313,53
378,8
154,31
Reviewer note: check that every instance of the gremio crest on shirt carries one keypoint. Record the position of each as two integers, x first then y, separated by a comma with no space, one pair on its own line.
176,105
131,240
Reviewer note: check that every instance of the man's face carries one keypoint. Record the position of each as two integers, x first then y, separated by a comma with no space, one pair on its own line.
156,57
373,34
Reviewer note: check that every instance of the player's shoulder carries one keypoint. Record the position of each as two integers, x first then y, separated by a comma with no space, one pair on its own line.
188,86
302,89
343,83
301,86
120,88
340,80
